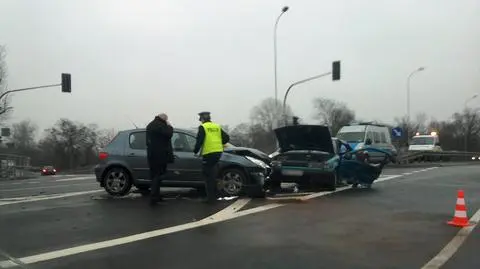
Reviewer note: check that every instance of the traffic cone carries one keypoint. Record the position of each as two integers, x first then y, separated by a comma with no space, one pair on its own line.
460,218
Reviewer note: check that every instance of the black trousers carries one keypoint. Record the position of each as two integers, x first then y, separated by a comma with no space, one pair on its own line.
157,172
210,171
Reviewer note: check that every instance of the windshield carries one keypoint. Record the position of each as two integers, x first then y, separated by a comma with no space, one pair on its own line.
422,141
352,137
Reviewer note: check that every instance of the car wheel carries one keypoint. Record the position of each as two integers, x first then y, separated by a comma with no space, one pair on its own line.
332,186
232,182
117,181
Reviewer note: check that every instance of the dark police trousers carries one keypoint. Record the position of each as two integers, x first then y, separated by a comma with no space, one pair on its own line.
210,171
157,172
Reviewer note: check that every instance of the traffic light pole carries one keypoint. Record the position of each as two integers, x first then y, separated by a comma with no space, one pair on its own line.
66,86
28,89
294,84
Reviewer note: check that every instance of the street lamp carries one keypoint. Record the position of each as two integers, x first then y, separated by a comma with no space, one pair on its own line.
284,9
466,125
470,99
408,96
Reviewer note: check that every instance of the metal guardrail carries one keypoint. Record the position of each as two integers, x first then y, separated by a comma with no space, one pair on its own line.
442,156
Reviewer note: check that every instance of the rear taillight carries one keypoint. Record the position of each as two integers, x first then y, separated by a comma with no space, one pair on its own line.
44,170
54,170
102,155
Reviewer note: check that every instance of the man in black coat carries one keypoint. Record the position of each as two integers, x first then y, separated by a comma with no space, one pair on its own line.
159,152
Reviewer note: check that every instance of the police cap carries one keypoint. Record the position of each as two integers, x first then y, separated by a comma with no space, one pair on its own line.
204,113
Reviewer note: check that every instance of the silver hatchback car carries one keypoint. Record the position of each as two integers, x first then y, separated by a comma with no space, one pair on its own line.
123,164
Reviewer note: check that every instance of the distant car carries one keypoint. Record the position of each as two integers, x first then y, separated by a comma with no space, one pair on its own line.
48,170
123,164
306,156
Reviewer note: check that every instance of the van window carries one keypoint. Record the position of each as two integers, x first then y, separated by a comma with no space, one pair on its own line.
376,137
138,140
383,138
352,137
370,135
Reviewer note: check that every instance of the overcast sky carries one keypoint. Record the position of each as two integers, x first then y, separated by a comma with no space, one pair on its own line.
133,59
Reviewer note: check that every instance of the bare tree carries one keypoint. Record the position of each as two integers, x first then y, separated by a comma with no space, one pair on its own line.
269,114
4,104
265,117
23,135
105,137
69,144
421,121
241,135
332,113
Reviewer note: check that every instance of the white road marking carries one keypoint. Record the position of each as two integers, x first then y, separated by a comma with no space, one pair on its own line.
231,209
146,235
49,187
74,179
132,238
452,247
46,197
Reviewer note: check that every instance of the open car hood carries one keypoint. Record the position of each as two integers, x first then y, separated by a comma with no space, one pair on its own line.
304,137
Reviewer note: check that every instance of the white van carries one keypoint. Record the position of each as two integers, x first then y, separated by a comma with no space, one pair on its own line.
371,135
429,142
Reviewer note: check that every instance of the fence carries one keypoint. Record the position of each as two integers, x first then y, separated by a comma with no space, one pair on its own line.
14,166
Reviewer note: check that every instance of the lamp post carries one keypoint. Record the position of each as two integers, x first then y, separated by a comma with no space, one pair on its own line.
466,127
408,98
284,9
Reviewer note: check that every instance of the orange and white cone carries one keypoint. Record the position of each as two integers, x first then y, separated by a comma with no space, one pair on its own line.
460,218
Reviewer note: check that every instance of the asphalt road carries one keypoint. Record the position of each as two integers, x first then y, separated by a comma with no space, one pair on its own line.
68,222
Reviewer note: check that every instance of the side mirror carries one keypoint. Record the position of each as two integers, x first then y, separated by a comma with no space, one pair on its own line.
368,141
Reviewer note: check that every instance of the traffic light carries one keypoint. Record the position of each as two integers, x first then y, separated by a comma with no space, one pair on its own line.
66,82
336,70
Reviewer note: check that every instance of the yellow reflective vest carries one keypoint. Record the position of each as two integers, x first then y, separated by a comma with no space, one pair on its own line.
213,138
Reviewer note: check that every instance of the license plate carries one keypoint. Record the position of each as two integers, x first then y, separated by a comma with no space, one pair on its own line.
296,173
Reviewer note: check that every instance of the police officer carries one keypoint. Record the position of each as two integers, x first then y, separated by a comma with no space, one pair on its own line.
210,139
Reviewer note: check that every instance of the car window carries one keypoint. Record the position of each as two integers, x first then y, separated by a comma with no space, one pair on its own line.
137,140
180,143
191,140
383,138
376,137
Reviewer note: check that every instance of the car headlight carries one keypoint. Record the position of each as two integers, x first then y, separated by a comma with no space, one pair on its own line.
257,162
273,154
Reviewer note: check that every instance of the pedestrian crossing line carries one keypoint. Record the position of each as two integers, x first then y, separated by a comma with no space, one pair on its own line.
74,179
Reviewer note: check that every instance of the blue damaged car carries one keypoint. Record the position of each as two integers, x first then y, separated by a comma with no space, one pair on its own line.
309,157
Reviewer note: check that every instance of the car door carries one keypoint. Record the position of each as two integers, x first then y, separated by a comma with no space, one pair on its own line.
136,155
373,155
187,167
